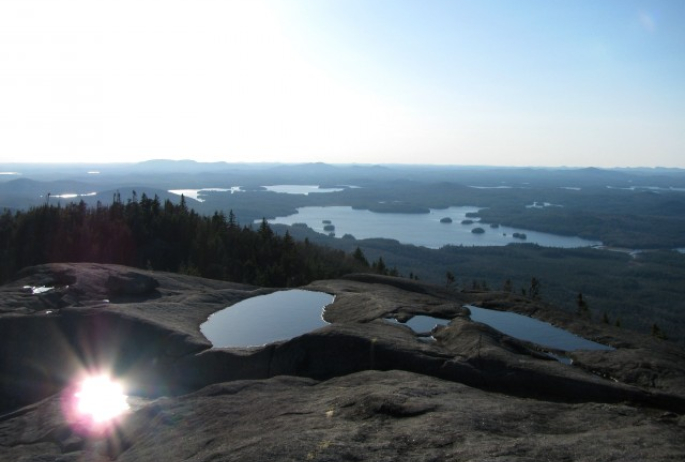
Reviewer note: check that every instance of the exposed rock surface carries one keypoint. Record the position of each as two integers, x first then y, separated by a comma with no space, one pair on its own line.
361,388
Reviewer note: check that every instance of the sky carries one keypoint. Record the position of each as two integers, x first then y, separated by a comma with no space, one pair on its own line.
461,82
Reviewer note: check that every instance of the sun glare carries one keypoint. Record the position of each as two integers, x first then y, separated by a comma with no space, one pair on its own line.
100,399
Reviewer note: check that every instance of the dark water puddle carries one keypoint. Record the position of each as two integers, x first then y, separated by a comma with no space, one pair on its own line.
518,326
267,318
422,324
533,330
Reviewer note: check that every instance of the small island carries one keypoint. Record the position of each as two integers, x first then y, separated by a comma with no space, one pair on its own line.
466,222
478,231
326,222
329,227
446,220
520,236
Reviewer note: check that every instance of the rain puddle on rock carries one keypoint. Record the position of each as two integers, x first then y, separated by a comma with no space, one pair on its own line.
37,290
533,330
267,318
422,324
517,326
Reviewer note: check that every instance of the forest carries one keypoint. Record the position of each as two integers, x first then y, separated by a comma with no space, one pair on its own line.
632,208
149,233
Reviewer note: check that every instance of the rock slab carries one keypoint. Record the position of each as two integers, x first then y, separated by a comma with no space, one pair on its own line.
362,388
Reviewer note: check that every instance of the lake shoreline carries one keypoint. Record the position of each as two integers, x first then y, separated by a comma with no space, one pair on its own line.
430,230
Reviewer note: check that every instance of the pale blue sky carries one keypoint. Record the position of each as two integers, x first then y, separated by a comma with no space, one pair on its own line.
542,83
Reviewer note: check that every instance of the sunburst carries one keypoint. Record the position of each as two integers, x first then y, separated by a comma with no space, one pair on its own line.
100,399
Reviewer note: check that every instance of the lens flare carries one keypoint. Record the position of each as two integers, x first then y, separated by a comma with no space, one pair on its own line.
100,399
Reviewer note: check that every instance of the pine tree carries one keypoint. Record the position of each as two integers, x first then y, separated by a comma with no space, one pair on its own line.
583,308
232,222
379,266
265,231
360,257
450,279
534,291
658,333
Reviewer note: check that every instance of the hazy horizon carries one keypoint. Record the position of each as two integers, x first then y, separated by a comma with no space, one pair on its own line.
459,83
332,164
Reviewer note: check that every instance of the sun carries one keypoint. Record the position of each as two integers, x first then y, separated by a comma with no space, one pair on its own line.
100,399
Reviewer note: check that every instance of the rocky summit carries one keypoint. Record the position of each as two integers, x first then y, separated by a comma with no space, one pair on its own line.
364,387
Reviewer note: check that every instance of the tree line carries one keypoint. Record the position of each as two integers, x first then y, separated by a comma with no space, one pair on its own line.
148,233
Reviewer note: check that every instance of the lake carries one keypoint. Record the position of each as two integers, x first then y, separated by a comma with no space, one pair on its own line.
304,190
648,188
301,189
422,229
196,193
267,318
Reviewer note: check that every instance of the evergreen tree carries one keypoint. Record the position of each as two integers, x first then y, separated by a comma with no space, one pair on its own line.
360,257
265,231
379,266
232,222
534,291
583,308
658,333
449,276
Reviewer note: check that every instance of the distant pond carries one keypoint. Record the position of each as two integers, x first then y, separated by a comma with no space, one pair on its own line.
304,190
198,193
301,189
267,318
424,229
